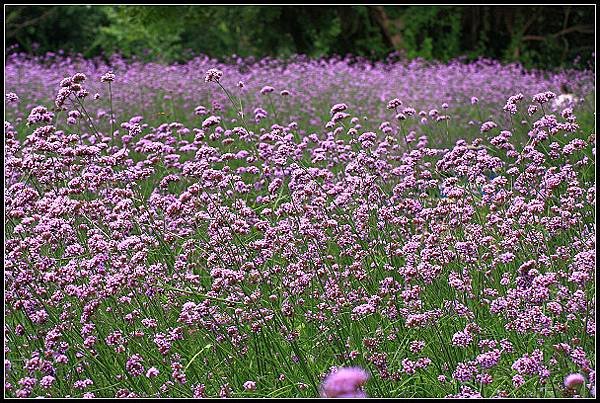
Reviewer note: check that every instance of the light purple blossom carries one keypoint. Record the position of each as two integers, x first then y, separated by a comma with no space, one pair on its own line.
345,382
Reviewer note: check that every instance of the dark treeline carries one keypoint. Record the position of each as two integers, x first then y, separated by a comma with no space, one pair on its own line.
537,36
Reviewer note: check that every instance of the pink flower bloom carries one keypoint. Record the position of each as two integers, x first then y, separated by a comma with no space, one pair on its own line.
573,381
250,385
345,382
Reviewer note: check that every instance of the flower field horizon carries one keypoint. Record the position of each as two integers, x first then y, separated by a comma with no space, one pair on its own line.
328,227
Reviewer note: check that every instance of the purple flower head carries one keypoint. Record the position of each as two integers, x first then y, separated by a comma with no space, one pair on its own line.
544,97
345,382
134,365
266,89
78,78
250,385
487,126
198,390
211,121
66,82
573,381
213,75
47,381
107,77
200,110
12,98
394,103
338,108
152,372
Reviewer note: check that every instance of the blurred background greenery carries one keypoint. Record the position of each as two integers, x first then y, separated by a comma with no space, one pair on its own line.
543,36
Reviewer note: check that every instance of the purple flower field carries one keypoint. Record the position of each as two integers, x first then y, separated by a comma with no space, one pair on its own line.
298,228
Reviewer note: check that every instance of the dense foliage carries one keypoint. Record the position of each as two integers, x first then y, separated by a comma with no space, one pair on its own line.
540,36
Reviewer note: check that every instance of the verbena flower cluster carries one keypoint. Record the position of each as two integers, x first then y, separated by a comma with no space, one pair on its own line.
334,227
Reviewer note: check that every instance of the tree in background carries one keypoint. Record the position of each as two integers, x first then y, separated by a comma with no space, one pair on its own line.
39,29
537,36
